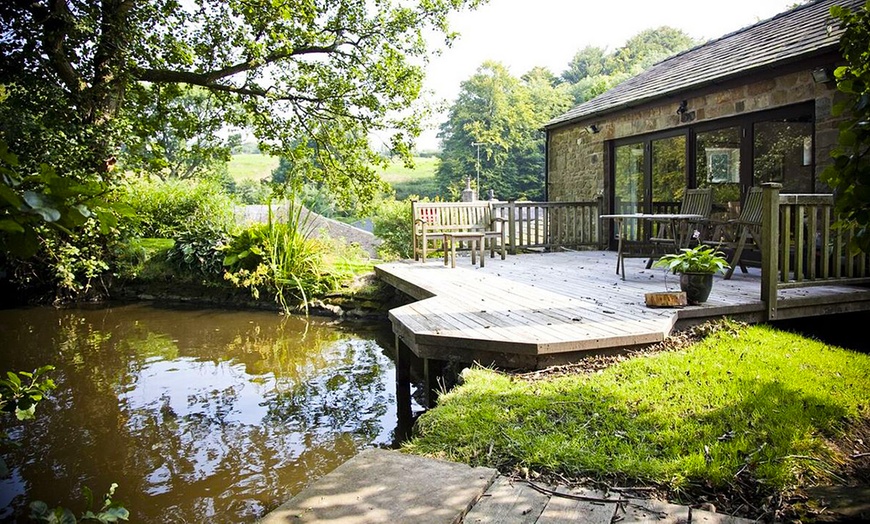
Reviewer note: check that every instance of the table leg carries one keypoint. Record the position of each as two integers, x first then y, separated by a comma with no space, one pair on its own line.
453,252
444,247
481,243
472,243
620,260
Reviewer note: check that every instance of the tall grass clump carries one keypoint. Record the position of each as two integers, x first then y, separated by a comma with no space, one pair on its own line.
280,257
745,404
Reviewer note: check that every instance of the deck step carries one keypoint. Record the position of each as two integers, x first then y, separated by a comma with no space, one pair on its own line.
379,486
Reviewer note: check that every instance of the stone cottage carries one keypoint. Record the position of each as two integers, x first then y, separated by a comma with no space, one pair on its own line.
753,106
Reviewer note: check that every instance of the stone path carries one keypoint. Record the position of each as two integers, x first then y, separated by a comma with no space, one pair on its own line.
379,486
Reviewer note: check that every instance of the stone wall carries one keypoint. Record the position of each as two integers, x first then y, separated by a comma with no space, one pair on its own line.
576,168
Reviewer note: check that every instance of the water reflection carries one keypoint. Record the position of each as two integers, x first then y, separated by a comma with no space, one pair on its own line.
198,415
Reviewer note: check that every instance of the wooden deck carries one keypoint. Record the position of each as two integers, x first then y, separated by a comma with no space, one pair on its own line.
536,310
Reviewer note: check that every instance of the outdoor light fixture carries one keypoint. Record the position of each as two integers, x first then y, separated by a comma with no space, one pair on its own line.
685,114
593,129
822,75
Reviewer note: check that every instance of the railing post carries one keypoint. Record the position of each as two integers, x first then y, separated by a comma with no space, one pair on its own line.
512,228
597,228
770,246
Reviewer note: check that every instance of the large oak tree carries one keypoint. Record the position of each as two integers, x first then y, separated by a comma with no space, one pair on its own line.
309,77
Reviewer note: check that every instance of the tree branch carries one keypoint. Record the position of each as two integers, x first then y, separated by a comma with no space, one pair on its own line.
55,22
271,58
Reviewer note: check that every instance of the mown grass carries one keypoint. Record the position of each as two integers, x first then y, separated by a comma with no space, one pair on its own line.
247,166
747,402
417,181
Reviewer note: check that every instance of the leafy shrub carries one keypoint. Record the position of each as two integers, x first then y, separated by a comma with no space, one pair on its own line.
281,258
252,192
166,209
392,224
199,252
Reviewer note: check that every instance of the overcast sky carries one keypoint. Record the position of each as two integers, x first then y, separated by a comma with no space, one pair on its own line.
522,34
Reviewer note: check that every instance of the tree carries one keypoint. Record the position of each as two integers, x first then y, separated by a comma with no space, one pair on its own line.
849,173
504,115
593,71
589,61
330,72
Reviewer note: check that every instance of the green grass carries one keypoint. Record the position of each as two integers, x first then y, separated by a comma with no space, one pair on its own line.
751,402
417,181
248,166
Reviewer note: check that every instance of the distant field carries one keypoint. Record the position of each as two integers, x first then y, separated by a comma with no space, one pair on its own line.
247,166
418,181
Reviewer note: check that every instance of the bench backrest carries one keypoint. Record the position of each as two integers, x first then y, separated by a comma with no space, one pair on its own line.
452,215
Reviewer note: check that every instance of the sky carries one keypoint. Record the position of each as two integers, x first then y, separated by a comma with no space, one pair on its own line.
522,34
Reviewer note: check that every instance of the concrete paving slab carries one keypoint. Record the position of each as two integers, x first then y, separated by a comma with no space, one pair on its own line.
379,486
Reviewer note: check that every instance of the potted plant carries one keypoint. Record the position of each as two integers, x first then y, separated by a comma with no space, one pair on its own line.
696,267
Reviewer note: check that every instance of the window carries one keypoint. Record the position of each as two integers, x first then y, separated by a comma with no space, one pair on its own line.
649,173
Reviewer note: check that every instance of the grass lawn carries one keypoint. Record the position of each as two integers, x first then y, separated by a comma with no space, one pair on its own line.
418,181
248,166
746,404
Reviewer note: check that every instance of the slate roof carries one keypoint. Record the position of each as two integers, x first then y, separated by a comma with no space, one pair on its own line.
788,37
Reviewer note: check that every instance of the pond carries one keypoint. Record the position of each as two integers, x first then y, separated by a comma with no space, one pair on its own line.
198,415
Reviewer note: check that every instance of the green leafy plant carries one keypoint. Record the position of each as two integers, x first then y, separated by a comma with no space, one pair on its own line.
281,257
110,511
392,224
21,392
199,252
699,259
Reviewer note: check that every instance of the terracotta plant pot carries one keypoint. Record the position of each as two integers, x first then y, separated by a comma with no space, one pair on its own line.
697,286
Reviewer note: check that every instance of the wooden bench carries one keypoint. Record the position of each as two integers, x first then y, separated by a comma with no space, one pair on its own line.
431,220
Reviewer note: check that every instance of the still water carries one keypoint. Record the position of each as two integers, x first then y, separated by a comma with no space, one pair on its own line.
198,415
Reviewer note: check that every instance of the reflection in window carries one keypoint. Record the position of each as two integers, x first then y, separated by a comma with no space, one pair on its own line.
629,188
668,173
717,164
629,181
783,153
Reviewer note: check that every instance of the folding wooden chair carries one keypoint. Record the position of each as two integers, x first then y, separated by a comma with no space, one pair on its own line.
695,202
746,229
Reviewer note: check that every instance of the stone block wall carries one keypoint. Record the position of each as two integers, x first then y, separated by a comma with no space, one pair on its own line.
576,169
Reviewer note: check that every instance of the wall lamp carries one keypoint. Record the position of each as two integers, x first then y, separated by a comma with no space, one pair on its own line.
822,75
685,114
593,129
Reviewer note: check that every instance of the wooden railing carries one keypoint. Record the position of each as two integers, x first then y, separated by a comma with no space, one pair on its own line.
550,225
803,245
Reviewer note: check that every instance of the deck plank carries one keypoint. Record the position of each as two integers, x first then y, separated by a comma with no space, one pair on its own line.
552,303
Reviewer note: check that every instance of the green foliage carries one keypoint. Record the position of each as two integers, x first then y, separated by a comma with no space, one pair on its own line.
504,114
849,173
593,70
92,77
252,192
698,259
166,209
199,252
21,392
733,408
110,510
392,224
176,132
280,257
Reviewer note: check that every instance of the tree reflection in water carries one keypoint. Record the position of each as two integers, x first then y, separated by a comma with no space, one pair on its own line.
198,415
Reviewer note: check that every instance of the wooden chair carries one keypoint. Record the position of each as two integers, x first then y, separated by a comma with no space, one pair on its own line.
666,237
746,229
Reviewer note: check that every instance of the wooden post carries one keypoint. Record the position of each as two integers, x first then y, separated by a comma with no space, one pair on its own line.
770,246
432,370
404,413
512,227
